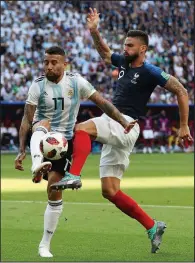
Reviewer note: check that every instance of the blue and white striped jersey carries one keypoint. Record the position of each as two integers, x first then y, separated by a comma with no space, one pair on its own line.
59,102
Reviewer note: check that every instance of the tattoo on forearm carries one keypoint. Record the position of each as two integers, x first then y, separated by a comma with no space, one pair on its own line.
101,47
109,109
176,87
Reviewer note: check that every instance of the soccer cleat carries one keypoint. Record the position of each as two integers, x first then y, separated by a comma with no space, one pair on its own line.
155,235
41,170
44,252
68,181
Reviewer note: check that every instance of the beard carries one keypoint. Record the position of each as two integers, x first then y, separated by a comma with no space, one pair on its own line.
131,58
52,77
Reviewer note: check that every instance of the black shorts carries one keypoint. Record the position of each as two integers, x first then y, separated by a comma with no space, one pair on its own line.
62,165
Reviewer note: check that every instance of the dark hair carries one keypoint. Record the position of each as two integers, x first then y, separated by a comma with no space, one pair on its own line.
139,34
55,50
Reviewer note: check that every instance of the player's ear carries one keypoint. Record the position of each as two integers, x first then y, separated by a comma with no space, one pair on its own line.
65,64
143,48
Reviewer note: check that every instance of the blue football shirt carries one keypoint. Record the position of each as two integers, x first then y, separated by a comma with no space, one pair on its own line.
135,85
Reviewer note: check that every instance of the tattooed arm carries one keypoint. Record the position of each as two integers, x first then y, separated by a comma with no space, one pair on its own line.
25,127
111,111
100,45
176,87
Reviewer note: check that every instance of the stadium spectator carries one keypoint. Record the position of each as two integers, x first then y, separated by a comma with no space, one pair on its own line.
164,126
148,134
12,130
5,137
3,129
173,138
29,27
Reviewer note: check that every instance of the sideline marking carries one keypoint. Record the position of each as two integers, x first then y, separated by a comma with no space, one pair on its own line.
96,204
26,185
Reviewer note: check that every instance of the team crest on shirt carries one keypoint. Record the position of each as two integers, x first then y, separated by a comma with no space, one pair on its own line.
134,80
70,93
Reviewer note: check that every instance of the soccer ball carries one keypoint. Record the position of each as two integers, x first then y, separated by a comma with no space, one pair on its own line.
53,145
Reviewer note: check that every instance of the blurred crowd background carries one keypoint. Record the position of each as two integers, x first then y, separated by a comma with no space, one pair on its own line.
29,27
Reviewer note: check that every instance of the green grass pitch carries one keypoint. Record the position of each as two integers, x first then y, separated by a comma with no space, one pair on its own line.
95,230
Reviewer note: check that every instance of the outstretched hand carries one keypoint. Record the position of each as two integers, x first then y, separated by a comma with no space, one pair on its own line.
129,126
92,19
184,135
18,161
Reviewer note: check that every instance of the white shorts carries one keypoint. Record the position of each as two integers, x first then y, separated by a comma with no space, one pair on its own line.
148,134
117,145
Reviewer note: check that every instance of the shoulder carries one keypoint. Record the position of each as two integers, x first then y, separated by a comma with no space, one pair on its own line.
74,78
41,78
152,68
37,84
156,71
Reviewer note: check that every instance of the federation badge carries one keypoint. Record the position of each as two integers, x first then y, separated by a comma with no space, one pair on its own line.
70,93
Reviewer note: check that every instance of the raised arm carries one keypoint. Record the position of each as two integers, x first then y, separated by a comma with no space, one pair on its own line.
111,111
176,87
25,127
100,45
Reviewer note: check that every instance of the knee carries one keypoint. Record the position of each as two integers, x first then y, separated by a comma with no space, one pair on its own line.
81,127
109,193
88,127
46,124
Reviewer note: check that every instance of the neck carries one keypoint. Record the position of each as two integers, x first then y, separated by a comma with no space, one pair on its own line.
137,63
58,80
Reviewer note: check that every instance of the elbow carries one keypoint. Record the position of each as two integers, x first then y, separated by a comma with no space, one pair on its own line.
182,93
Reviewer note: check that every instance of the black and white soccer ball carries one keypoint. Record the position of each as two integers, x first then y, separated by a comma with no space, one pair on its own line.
53,145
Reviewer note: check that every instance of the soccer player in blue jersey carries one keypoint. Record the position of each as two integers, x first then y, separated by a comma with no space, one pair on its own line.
52,105
136,81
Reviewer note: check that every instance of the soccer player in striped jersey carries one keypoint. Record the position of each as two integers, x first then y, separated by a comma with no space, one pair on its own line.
52,105
136,81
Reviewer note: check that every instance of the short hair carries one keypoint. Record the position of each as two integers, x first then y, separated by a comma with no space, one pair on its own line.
55,50
139,34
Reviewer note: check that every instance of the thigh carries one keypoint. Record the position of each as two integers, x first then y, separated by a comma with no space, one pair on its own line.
62,165
111,156
102,128
111,132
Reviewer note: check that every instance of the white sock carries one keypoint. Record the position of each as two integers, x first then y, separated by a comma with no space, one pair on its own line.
145,150
51,217
36,154
149,149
